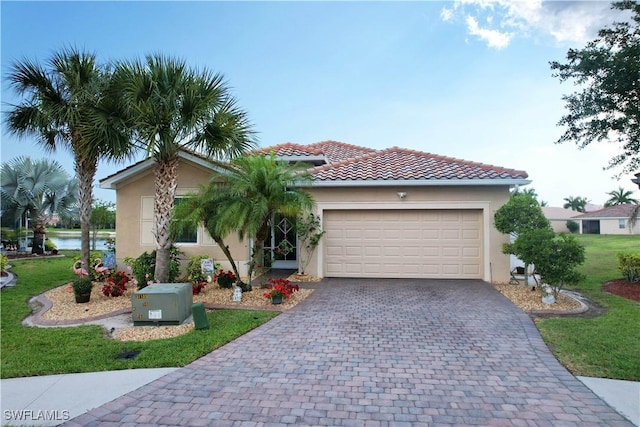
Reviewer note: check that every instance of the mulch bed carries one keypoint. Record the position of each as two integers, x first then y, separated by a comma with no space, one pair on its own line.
624,289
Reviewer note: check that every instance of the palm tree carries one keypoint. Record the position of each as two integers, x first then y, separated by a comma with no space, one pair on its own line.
171,107
204,208
64,107
36,190
575,203
620,197
245,197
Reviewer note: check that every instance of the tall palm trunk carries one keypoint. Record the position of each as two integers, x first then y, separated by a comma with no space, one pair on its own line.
227,253
166,173
257,257
38,228
86,171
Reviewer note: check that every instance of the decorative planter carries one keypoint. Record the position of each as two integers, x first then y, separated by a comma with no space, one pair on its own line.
276,300
84,298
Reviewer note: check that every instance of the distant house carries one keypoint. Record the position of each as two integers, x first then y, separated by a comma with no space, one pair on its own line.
611,220
558,217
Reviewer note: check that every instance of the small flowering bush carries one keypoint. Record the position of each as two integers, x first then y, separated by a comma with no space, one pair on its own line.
226,279
144,267
116,284
197,278
280,288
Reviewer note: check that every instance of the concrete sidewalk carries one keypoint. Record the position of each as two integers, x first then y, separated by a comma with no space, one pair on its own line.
623,396
51,400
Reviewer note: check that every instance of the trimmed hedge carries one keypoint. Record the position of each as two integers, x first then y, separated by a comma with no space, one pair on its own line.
629,265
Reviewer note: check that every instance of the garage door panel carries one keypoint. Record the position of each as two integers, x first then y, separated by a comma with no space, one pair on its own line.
372,268
428,234
451,269
470,269
470,252
394,243
355,251
412,251
372,251
451,252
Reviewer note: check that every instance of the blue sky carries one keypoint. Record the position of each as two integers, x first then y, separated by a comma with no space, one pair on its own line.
467,79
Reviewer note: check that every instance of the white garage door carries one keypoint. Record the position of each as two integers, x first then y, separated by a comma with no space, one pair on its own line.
410,243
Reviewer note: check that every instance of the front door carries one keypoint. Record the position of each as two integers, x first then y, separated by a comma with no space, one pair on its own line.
284,248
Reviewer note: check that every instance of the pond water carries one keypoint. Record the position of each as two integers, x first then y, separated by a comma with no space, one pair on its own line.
65,242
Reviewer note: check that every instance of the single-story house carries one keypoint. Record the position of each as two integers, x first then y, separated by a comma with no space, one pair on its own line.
558,217
620,219
387,213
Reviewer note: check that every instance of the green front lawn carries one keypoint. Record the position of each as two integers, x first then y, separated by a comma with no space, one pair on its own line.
606,346
28,351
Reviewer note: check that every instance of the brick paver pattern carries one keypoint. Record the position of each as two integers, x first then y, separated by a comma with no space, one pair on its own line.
374,353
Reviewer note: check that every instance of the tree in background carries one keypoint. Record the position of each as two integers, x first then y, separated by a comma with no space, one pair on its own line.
606,109
575,203
103,215
35,190
620,197
65,106
171,107
531,192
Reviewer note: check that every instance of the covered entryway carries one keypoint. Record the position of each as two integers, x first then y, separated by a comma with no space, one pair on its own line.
437,243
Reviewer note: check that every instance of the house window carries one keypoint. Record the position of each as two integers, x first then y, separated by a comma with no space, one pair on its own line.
188,235
621,224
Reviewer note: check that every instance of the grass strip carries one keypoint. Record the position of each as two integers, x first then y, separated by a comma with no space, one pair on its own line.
606,346
30,351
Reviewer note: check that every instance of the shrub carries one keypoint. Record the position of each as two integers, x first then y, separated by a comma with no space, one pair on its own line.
629,265
557,260
3,262
280,288
144,267
194,269
226,279
82,285
573,226
116,284
49,245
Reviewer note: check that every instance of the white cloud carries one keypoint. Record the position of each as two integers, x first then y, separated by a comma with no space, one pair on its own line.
446,14
494,38
564,21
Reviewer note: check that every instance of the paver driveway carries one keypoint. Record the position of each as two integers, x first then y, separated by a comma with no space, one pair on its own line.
374,352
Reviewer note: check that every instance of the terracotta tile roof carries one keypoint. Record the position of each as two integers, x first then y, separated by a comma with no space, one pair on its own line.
402,164
289,149
352,163
619,211
339,151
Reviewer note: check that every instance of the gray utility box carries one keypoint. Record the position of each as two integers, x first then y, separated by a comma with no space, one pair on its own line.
162,304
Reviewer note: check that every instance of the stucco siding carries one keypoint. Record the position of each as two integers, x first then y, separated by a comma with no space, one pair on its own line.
134,217
612,226
135,197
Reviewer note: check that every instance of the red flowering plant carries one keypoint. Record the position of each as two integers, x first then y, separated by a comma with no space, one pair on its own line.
116,284
225,279
280,288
